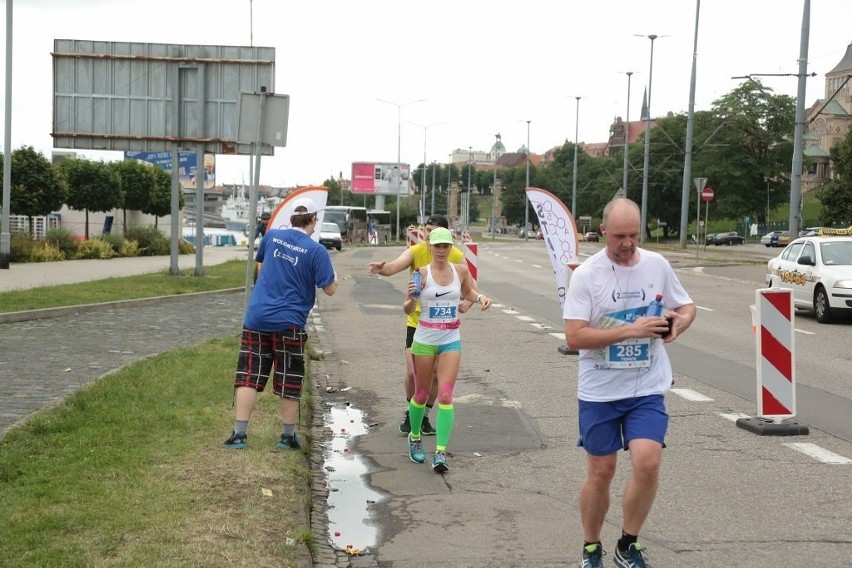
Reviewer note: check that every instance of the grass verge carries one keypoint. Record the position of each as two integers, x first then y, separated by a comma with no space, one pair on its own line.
231,274
130,471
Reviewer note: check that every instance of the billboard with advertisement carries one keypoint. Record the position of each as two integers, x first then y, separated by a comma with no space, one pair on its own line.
386,178
186,166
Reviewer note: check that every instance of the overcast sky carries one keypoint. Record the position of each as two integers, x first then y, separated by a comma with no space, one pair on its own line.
482,67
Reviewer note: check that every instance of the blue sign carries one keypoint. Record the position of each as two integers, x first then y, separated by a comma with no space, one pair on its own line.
746,219
187,166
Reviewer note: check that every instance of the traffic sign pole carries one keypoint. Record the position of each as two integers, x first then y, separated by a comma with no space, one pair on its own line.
700,184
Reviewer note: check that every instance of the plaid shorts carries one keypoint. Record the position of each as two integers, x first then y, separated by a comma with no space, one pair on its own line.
259,350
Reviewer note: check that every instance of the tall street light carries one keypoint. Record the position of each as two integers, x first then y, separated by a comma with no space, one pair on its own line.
626,136
647,119
494,192
432,211
576,148
690,127
398,150
467,201
425,128
526,200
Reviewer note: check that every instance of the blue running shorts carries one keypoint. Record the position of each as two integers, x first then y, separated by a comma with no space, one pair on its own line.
606,427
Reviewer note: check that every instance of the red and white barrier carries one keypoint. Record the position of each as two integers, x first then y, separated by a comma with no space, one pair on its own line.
776,361
471,254
466,237
413,235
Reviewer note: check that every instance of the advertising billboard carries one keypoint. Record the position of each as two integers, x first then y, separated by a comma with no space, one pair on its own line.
186,166
386,178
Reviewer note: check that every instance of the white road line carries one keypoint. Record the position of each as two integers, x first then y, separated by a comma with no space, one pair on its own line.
733,417
559,336
525,318
705,309
536,266
517,260
804,331
692,395
819,453
497,305
540,326
510,311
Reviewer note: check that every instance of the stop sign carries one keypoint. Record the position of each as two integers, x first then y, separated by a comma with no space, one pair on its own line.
707,194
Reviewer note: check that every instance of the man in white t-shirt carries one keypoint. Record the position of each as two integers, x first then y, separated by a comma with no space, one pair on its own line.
624,373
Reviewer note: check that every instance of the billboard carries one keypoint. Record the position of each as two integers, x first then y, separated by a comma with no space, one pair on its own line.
386,178
187,166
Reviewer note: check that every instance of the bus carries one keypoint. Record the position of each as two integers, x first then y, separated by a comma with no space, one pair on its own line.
351,220
382,219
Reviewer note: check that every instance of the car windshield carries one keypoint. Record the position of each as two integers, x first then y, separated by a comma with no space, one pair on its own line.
835,253
330,228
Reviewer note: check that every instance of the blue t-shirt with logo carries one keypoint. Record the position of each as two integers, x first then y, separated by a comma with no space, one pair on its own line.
294,266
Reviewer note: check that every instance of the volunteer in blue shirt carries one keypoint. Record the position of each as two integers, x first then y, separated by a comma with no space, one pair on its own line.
294,266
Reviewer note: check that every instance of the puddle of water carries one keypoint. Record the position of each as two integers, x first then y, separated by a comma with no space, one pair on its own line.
348,496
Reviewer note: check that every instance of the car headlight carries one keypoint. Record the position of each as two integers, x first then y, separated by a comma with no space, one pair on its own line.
843,284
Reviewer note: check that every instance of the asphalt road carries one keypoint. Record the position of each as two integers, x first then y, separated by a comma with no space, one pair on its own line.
727,496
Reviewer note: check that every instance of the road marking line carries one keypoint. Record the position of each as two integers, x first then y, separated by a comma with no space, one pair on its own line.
733,417
692,395
516,260
559,336
525,318
819,453
497,305
705,309
510,311
541,326
804,331
536,266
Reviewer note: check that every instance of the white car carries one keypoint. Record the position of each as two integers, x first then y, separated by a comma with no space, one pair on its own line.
330,236
818,270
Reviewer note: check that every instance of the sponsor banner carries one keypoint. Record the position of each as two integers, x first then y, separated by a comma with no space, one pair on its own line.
187,166
559,232
385,178
280,218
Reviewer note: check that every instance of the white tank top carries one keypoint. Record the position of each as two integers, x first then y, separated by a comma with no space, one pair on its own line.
439,311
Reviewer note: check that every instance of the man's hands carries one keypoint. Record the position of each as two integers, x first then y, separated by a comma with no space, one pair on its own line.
376,267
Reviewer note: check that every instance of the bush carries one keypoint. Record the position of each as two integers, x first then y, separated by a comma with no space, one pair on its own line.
64,240
151,241
95,248
46,252
129,248
115,241
20,247
185,247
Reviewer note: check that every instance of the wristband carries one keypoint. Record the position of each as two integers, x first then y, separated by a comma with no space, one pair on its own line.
478,298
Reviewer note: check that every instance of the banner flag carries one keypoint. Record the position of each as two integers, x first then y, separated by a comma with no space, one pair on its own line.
280,218
559,232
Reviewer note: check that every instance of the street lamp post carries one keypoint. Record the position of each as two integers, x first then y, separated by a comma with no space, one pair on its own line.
399,150
576,149
494,193
526,199
432,210
425,127
647,118
467,201
626,136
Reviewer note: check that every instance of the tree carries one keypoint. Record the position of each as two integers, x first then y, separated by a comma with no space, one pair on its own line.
92,186
751,152
836,195
160,200
137,184
37,188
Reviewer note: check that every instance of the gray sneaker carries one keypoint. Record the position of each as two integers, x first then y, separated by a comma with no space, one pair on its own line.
439,464
405,425
415,450
426,427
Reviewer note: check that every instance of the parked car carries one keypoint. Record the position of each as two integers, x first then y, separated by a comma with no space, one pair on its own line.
781,239
591,237
730,238
819,272
810,232
772,238
330,236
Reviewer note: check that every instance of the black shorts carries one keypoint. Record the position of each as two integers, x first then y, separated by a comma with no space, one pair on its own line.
259,350
409,336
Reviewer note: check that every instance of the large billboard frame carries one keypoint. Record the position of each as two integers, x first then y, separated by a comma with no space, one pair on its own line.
149,97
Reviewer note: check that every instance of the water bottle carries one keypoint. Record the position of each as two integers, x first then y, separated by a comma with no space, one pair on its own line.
417,278
655,308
